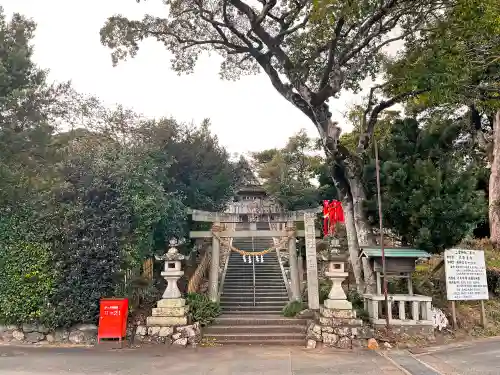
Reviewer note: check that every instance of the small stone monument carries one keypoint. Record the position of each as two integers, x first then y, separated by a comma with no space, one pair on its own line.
171,310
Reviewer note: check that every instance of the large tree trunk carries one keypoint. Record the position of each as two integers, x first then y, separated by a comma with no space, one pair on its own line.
363,230
494,188
352,241
345,197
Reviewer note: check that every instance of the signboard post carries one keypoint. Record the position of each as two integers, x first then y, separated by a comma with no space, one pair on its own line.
466,278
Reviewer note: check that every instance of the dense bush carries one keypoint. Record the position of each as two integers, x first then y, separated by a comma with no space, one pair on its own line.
493,277
78,209
201,309
26,282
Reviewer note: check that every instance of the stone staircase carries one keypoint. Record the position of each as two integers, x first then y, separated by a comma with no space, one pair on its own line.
245,321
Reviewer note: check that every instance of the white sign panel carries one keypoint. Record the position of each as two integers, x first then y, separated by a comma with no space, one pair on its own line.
465,275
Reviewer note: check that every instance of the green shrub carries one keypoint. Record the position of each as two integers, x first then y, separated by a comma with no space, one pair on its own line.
358,304
26,283
325,285
493,277
356,299
201,309
293,308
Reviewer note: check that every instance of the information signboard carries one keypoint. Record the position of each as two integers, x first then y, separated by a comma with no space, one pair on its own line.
465,275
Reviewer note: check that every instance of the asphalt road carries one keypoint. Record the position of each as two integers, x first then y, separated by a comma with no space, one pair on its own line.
481,357
470,358
200,361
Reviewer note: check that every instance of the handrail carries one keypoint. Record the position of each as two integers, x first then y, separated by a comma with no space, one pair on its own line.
253,269
283,273
199,273
226,264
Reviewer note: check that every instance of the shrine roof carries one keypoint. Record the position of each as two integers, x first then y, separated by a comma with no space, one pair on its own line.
394,252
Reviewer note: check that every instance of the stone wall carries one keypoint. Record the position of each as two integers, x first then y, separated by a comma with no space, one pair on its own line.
38,334
407,333
339,329
86,334
169,335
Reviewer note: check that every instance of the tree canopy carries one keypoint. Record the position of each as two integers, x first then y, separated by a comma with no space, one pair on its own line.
309,50
87,192
430,193
289,173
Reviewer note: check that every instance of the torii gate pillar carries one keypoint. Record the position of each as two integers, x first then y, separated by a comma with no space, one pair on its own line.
292,258
213,277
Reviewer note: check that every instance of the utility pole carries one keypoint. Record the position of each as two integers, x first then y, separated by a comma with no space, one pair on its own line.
381,227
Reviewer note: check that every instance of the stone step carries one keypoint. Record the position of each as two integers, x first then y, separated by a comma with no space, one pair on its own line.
260,338
249,302
266,264
276,307
257,278
250,277
257,319
257,272
260,294
262,329
249,269
247,297
258,284
249,287
266,342
257,269
249,290
251,312
254,310
233,275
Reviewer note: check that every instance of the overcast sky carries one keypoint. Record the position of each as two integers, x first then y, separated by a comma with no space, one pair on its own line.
246,115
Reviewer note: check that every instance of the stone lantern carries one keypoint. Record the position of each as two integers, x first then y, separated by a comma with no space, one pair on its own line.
172,271
171,310
336,272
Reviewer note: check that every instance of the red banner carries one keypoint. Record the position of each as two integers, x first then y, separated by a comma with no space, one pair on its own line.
332,214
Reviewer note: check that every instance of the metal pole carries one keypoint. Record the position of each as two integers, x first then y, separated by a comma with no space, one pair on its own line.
379,198
253,269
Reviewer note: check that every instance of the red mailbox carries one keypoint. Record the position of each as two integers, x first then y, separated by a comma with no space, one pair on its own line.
113,316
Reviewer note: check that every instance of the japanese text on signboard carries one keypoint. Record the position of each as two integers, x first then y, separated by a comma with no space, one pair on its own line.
465,275
112,311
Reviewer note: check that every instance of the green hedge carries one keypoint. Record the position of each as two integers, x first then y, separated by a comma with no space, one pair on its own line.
26,283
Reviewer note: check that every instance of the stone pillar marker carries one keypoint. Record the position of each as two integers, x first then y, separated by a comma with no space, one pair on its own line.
311,262
336,272
171,310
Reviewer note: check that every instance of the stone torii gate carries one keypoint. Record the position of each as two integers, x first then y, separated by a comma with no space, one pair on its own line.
290,217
